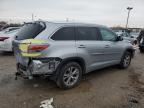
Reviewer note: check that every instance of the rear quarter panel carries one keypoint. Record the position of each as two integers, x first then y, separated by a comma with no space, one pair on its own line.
61,49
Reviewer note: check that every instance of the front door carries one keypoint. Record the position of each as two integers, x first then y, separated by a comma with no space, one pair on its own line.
112,48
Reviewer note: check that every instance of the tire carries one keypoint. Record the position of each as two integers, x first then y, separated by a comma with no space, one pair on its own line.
126,60
141,50
135,42
70,75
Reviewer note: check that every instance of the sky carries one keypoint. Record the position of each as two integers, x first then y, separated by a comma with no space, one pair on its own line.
104,12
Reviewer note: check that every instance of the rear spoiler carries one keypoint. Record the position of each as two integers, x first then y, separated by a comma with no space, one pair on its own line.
36,22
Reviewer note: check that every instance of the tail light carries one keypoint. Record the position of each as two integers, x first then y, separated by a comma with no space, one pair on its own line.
36,48
3,38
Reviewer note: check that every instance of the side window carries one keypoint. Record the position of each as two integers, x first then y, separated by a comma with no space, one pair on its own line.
65,33
87,33
107,35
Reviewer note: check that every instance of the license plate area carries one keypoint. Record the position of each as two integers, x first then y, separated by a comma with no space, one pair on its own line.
19,58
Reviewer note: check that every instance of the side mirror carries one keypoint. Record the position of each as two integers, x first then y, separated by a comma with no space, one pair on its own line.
119,38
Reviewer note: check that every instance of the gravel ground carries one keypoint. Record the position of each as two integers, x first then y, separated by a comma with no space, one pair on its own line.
107,88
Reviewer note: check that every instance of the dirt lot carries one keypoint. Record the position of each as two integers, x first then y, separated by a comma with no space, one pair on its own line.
106,88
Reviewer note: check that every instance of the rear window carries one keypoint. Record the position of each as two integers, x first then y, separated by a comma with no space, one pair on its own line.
30,30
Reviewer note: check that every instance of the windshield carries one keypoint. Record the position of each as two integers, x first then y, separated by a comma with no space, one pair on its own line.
30,30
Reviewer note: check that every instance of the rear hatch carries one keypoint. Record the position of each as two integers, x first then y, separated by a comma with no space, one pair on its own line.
25,45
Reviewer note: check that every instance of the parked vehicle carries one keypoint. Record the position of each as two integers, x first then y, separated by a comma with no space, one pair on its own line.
127,36
6,38
9,29
135,34
67,51
141,46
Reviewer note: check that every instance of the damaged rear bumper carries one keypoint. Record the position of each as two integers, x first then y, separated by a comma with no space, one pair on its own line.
38,66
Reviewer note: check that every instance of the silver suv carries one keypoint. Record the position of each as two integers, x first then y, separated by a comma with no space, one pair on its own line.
67,51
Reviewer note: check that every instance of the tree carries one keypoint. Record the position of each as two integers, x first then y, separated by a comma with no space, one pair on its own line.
4,25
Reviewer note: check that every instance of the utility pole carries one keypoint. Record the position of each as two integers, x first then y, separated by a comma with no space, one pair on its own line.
32,17
67,19
129,9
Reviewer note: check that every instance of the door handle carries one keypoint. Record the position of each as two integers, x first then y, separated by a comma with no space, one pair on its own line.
107,46
81,46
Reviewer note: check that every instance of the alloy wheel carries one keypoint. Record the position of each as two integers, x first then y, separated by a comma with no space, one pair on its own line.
71,76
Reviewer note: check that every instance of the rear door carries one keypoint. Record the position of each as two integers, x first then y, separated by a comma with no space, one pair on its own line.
89,46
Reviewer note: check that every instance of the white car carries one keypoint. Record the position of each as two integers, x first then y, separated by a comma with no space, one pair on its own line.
6,38
9,29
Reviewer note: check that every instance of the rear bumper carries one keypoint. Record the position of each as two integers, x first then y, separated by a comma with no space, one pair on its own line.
41,66
6,46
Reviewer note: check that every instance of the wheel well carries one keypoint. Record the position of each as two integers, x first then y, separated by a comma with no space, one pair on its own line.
130,51
80,61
